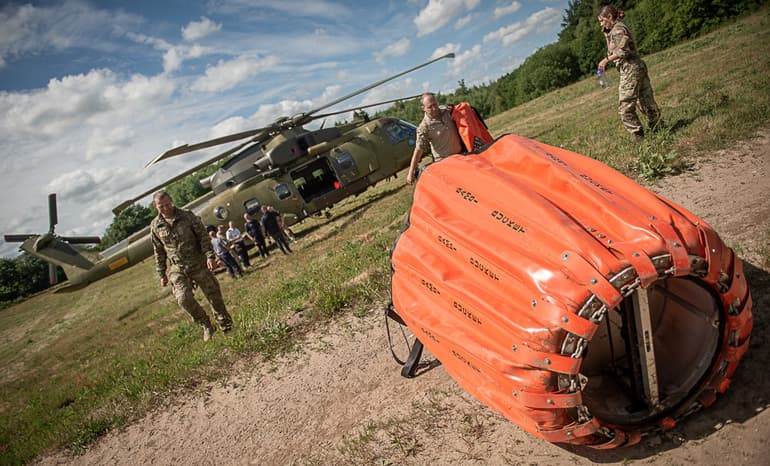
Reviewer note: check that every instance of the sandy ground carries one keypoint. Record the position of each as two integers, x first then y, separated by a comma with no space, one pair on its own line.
341,400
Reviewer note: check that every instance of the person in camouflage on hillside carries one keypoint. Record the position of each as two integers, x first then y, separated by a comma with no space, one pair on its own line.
635,89
179,237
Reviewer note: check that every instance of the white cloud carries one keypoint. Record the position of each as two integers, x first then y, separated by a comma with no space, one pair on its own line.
85,185
228,74
464,21
330,93
174,55
464,61
509,35
507,10
199,29
445,49
396,49
111,140
69,102
265,114
73,184
394,90
439,12
28,29
307,8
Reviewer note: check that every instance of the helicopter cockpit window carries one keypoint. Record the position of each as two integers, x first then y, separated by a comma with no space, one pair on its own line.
398,131
282,191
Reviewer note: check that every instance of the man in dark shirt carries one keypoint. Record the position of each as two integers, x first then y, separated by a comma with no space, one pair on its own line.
272,223
253,231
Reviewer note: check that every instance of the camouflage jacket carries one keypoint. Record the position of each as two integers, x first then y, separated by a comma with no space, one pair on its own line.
183,241
621,44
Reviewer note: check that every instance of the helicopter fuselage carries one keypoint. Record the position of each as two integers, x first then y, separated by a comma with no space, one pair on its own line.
299,173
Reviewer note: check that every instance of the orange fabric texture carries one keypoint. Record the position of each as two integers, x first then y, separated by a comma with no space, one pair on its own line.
473,132
502,250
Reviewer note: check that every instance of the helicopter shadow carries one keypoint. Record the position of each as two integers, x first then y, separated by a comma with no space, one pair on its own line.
747,396
345,218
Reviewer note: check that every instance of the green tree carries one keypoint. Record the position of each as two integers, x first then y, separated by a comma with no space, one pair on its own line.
22,276
129,221
549,68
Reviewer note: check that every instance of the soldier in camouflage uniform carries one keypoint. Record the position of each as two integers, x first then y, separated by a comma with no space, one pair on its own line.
179,237
635,89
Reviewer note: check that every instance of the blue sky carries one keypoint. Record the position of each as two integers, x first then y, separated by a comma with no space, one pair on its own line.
92,90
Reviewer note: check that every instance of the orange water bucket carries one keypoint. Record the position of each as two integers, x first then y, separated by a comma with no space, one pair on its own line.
573,301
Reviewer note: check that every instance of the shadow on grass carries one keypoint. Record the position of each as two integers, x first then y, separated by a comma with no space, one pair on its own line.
676,125
143,304
345,218
748,395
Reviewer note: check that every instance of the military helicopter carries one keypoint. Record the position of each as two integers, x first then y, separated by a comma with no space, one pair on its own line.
299,172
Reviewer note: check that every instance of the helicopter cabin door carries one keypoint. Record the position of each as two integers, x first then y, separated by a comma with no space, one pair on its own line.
326,180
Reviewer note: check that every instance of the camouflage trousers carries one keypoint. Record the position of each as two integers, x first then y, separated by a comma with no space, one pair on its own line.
635,92
182,284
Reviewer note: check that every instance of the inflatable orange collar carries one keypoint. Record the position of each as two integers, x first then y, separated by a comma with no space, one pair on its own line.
565,296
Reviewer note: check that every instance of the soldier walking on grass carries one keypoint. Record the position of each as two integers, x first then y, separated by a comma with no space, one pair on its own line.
179,237
635,89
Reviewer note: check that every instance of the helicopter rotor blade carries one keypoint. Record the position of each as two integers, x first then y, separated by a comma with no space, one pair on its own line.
124,205
297,120
17,238
53,215
183,149
324,115
372,86
81,239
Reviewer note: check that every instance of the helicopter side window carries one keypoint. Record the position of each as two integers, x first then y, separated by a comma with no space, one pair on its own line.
282,191
252,206
222,213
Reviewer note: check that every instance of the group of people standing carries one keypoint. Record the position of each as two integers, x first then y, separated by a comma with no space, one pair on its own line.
231,243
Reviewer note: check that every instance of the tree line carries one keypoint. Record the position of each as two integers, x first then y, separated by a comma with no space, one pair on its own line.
657,25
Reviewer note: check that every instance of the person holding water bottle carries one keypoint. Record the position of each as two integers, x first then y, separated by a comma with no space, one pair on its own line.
635,89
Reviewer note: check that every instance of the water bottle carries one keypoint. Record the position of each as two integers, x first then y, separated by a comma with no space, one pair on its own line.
602,81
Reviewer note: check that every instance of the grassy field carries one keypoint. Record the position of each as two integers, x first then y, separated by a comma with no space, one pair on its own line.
77,364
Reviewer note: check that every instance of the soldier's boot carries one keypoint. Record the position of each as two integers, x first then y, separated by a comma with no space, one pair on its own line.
208,331
224,320
656,124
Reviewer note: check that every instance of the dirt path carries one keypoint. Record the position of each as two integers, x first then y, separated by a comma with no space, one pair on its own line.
342,399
